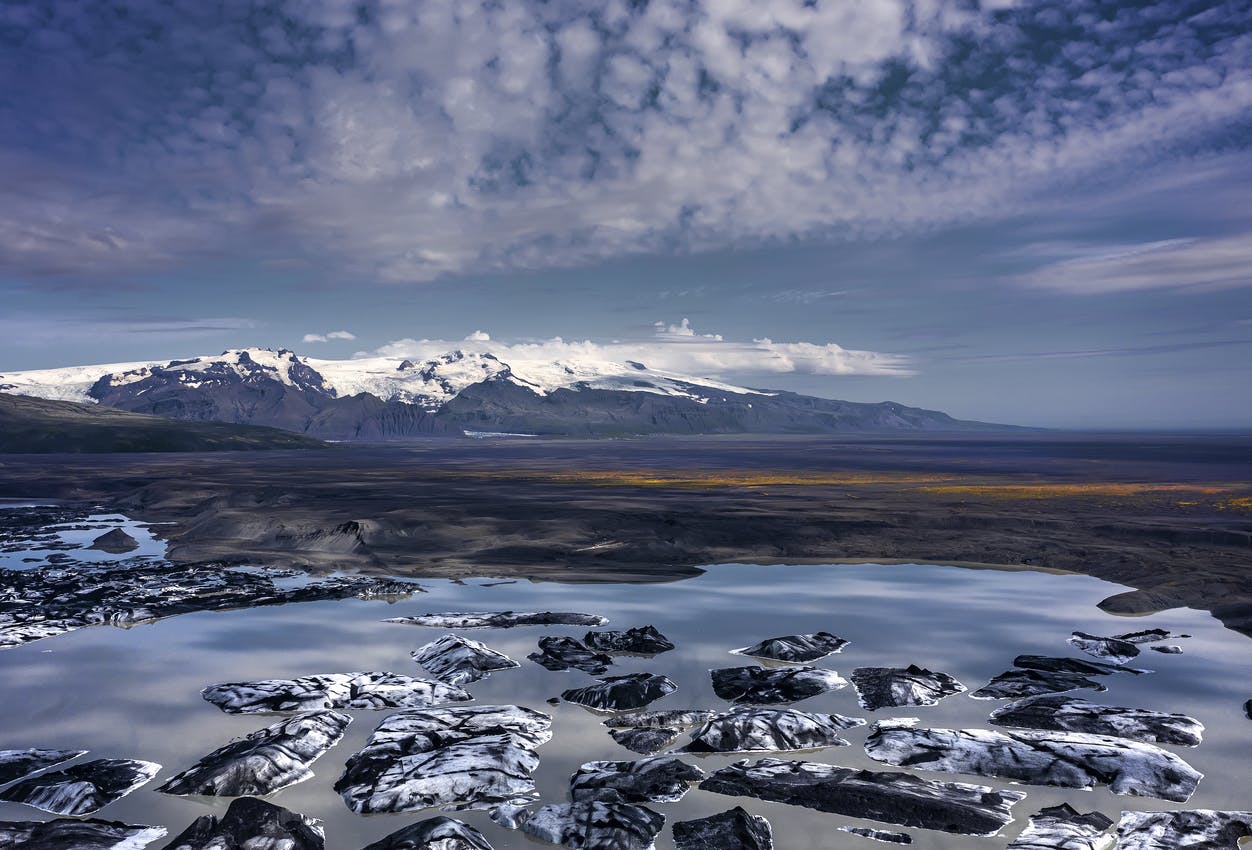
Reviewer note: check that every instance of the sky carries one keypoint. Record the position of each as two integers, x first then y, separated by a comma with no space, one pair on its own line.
1027,212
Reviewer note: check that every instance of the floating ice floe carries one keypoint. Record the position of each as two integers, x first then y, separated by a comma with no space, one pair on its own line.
1150,636
251,824
265,761
480,755
455,660
596,825
647,740
763,686
1064,759
765,730
796,649
438,833
1056,664
1063,828
499,619
1194,829
892,687
1167,650
1017,684
896,798
878,834
645,640
566,653
67,834
650,732
14,764
56,599
1114,649
735,829
1072,714
82,789
622,693
331,690
664,779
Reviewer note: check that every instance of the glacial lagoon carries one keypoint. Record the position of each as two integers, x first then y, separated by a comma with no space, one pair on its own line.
135,693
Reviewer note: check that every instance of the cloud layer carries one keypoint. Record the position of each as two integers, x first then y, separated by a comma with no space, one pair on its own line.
674,348
408,140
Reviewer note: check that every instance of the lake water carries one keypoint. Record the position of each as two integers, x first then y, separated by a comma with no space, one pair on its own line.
136,692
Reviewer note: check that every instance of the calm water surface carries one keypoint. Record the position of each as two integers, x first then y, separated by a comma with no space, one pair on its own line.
135,692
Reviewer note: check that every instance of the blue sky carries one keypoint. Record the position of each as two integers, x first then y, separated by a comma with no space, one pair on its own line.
1024,212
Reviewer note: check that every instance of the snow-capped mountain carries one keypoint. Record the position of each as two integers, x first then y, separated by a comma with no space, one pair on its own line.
383,397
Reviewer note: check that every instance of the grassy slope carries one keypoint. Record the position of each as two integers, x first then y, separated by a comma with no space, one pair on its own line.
41,425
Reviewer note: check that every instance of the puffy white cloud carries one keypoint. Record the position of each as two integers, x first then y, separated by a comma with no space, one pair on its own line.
327,337
674,348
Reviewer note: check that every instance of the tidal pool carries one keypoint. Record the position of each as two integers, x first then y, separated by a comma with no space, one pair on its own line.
135,693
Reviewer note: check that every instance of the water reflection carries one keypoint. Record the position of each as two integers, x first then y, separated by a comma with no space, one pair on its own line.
135,693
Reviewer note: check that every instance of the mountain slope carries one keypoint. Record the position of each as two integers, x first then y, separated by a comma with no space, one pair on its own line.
41,425
390,398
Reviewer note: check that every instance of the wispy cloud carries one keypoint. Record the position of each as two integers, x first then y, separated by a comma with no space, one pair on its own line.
675,348
27,329
430,138
1182,264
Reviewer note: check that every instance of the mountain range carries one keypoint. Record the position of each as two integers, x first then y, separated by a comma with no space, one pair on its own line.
458,393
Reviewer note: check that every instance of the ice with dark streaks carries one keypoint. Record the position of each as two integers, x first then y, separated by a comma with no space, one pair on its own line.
1064,828
81,789
795,649
892,687
455,660
372,691
735,829
265,761
1072,714
763,686
762,730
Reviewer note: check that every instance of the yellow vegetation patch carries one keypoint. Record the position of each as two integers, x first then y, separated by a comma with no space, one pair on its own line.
718,478
1060,491
1242,504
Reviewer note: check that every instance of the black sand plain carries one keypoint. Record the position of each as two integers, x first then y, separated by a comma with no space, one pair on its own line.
1168,515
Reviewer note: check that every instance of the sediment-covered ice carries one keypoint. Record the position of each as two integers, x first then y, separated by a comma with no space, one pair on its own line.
265,761
14,764
763,686
622,693
1017,684
763,730
891,687
566,653
446,756
251,824
1194,829
81,789
896,798
1071,714
878,834
596,825
1114,649
1064,759
371,691
735,829
647,740
796,649
1064,828
499,619
455,660
663,779
437,833
644,640
73,834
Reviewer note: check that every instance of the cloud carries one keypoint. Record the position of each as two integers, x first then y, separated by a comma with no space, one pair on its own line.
404,142
1180,264
678,349
28,329
327,337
